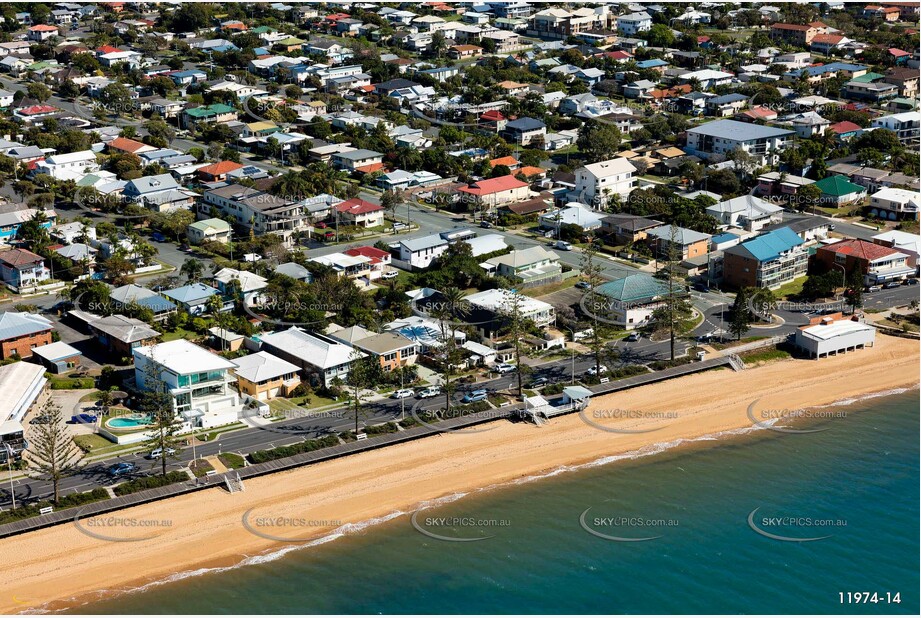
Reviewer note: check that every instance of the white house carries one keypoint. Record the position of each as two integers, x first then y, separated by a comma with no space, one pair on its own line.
69,166
419,252
746,211
633,23
319,357
597,181
894,204
714,140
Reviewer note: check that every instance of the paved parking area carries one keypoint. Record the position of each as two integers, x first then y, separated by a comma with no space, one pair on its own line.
565,297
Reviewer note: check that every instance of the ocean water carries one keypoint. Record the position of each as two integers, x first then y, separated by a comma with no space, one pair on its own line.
857,480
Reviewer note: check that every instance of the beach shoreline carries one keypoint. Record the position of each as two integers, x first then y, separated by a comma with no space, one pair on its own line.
62,567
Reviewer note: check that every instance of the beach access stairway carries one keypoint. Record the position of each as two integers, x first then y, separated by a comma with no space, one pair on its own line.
334,452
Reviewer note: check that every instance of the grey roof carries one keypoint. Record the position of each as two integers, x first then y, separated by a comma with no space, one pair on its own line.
152,184
189,294
14,324
262,366
426,242
526,124
293,270
132,293
119,327
357,155
683,236
735,130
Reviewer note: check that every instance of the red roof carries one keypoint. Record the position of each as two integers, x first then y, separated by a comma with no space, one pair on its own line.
33,110
221,167
19,257
506,161
618,55
702,39
43,28
830,39
337,16
107,49
493,185
845,126
370,252
492,115
792,27
898,53
530,170
126,145
357,206
861,249
370,169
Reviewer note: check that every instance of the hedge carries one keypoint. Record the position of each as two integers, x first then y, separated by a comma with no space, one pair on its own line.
280,452
66,502
150,482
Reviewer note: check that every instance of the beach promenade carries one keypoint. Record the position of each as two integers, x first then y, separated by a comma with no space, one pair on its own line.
50,568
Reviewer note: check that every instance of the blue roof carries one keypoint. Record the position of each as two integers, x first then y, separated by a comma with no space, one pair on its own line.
833,67
769,246
651,63
191,293
726,237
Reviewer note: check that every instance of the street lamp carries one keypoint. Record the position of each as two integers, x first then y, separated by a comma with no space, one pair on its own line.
572,379
843,274
9,463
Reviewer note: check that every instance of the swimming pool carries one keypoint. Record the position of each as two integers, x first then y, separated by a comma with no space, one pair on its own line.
129,422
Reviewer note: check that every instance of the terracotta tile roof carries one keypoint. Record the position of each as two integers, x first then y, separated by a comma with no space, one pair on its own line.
369,169
493,185
357,206
370,252
43,28
507,161
860,248
492,115
221,167
530,170
845,126
126,145
19,257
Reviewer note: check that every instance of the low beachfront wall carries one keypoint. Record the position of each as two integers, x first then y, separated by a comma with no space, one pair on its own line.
333,452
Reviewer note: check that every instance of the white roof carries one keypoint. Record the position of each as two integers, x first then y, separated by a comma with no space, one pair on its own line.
824,332
341,261
262,366
184,357
20,384
611,167
901,240
71,157
705,74
752,207
249,282
488,243
56,351
317,350
502,301
898,195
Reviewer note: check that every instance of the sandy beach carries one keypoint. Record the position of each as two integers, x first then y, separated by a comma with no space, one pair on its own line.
62,566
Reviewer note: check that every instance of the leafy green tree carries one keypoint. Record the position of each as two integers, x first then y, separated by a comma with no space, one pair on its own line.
598,142
741,316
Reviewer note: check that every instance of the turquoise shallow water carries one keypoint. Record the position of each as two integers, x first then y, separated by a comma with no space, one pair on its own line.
860,474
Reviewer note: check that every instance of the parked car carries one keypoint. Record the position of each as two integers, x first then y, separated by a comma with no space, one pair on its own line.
320,225
41,419
390,274
474,396
911,282
503,368
403,393
701,286
539,381
874,288
121,469
158,237
399,225
593,370
892,284
158,452
562,245
84,418
632,337
583,285
429,392
485,224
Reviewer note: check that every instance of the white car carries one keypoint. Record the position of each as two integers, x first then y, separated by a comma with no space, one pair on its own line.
562,245
403,393
593,370
503,368
158,452
429,392
390,274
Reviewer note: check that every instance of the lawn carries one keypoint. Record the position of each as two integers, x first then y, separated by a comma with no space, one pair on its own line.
761,356
543,290
315,401
180,333
793,288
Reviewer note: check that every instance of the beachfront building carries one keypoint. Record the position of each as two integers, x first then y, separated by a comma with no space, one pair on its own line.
629,302
502,303
264,376
195,380
878,264
320,358
22,391
767,261
832,335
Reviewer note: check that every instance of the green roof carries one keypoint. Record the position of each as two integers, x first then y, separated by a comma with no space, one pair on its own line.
263,30
633,288
210,110
868,77
837,186
291,40
218,224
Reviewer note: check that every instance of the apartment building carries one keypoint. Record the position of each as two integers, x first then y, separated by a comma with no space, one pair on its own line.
596,182
714,140
766,261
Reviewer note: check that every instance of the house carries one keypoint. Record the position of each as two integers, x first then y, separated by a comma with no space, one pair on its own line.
909,244
193,297
596,182
529,267
794,34
838,190
379,259
356,267
501,303
746,211
626,229
265,377
320,358
196,381
629,302
209,230
877,263
634,23
833,335
295,271
258,211
69,166
118,334
687,243
493,192
360,160
419,252
217,172
21,268
906,125
131,294
726,105
766,261
41,33
399,180
573,213
905,79
707,78
777,183
20,333
392,350
57,357
638,89
241,285
893,204
525,131
459,52
361,213
160,193
810,229
124,145
217,112
714,140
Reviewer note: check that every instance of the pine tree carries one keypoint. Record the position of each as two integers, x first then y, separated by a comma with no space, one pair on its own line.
52,454
740,314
